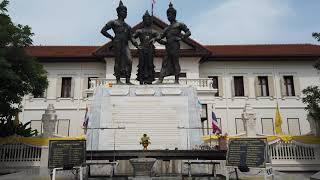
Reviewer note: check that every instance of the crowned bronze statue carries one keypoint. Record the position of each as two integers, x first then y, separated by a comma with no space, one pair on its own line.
122,35
147,37
173,35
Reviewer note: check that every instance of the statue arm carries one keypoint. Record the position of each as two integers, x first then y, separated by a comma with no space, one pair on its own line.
136,34
105,29
161,37
187,32
155,37
131,37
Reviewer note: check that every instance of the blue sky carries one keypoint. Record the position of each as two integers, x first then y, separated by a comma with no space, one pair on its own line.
78,22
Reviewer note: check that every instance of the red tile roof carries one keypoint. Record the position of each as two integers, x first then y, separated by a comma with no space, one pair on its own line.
264,50
62,51
217,51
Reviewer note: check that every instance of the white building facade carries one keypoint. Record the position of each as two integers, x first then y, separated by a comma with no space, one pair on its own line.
262,75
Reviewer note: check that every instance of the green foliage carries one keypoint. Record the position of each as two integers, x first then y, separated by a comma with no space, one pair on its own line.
20,74
8,128
312,99
312,93
316,36
3,6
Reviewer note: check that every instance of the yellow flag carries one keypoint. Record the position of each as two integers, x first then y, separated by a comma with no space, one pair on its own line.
278,122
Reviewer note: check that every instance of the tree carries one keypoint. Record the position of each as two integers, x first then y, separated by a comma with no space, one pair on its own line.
20,74
312,97
316,36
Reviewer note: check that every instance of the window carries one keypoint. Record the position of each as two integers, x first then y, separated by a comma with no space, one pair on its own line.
89,81
63,126
239,126
294,126
215,83
238,86
204,119
263,86
183,75
288,86
66,87
267,126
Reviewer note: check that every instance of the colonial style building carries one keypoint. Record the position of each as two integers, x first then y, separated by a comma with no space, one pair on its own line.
262,75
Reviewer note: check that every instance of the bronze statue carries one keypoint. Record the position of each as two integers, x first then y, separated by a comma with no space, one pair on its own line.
170,64
147,37
123,34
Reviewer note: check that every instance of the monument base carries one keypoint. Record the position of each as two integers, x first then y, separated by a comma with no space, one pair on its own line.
168,114
142,167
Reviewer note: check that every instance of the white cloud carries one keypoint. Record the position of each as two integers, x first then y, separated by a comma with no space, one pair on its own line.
241,22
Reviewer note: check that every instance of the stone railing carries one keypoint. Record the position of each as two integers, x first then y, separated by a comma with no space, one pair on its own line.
19,155
290,156
200,83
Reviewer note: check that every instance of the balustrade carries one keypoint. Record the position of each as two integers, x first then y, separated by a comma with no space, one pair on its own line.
202,83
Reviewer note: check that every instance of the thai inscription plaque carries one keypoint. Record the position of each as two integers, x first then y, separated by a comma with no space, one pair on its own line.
66,153
247,152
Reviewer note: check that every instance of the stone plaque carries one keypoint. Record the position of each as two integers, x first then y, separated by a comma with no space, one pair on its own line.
247,152
66,153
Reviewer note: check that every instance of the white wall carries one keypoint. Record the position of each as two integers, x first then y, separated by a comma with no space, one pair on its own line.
67,108
226,107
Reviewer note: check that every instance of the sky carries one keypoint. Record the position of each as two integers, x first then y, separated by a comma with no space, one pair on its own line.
212,22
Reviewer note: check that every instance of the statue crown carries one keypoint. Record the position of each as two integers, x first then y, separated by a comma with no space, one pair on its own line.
171,9
146,14
121,7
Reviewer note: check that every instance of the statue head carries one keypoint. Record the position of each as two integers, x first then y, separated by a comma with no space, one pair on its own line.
122,10
147,19
171,13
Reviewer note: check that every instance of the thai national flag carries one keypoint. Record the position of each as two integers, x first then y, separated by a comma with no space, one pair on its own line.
215,125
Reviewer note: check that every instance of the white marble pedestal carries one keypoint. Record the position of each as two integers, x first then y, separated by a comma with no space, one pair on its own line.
168,114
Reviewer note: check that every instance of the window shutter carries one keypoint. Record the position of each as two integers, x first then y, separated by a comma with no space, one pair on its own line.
257,87
232,87
268,127
220,85
240,126
271,86
72,87
296,85
283,87
84,86
294,126
58,87
246,86
63,126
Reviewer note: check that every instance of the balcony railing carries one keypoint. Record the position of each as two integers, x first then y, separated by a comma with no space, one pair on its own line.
200,83
19,155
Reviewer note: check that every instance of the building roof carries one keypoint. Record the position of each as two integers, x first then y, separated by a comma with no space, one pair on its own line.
217,51
61,51
264,50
